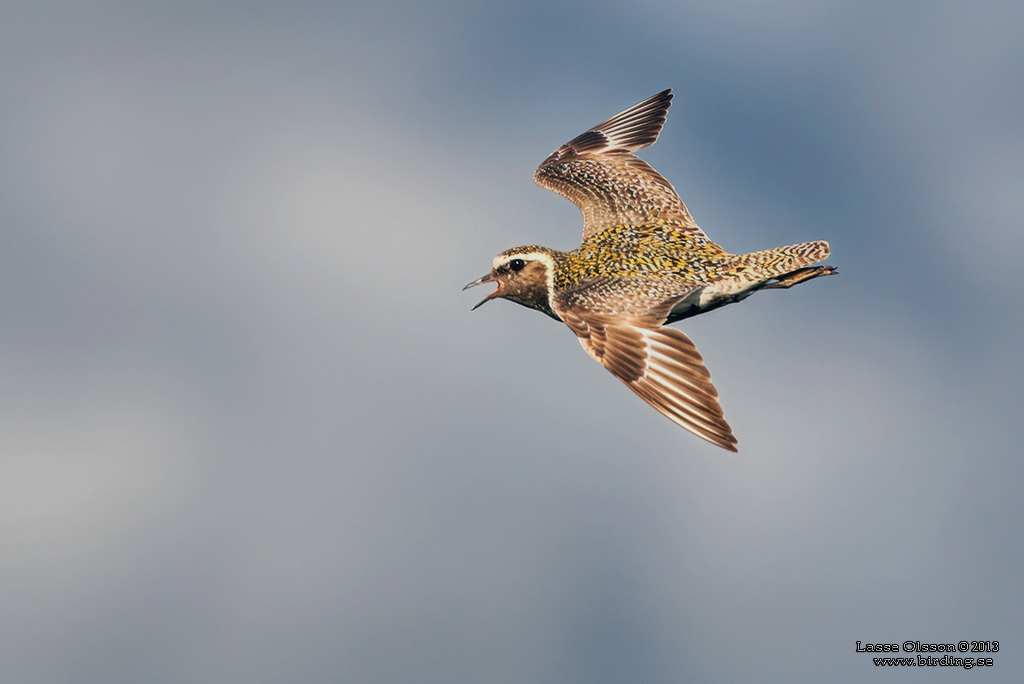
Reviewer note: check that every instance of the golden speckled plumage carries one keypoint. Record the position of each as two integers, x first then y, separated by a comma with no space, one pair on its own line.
643,263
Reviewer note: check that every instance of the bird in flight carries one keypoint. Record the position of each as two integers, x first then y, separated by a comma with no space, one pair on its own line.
643,264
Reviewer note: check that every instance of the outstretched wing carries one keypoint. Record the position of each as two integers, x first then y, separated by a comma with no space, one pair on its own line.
599,172
662,366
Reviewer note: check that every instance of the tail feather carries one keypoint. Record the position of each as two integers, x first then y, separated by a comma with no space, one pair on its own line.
771,263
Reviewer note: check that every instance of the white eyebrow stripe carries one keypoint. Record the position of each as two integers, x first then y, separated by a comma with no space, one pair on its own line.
503,259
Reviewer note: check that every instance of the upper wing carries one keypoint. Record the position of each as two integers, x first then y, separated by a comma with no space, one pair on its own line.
662,366
599,172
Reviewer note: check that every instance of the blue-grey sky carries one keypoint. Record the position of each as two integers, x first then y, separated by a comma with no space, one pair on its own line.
251,431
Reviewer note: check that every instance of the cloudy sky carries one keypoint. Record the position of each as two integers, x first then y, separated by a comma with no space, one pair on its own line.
250,430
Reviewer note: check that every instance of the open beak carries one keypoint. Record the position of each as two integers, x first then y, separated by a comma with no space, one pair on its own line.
479,281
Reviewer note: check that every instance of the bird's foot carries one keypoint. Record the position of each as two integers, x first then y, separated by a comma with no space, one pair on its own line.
800,275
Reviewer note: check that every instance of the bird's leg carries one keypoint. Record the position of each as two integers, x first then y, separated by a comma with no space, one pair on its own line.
800,275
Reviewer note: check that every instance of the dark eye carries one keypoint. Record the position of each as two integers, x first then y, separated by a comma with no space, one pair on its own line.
516,264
